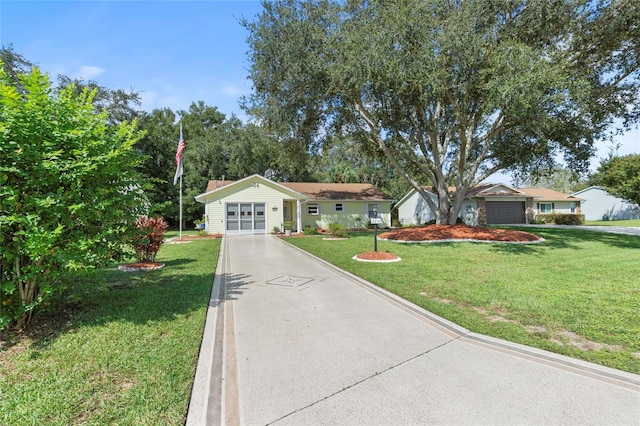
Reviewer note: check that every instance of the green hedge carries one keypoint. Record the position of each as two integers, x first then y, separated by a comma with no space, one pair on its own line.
338,230
561,218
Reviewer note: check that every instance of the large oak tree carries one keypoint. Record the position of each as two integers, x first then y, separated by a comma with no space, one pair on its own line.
449,91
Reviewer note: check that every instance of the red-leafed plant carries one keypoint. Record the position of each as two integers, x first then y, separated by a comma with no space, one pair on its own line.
149,237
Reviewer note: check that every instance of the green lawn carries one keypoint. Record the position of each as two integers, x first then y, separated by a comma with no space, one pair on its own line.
577,293
115,348
623,223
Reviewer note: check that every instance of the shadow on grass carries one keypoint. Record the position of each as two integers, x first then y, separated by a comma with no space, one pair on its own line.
111,295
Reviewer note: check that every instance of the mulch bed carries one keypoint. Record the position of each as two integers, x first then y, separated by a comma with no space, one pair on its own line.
379,256
197,237
458,232
141,266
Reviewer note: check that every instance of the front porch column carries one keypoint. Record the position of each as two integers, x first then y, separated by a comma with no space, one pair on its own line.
299,217
482,211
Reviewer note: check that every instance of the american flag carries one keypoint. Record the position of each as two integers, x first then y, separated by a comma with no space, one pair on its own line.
179,158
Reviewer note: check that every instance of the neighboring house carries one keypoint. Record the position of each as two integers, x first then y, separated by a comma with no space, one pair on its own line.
491,203
256,205
599,204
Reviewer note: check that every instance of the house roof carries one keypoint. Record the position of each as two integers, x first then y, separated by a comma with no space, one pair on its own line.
496,189
338,191
216,184
487,189
222,186
599,188
484,189
318,191
543,194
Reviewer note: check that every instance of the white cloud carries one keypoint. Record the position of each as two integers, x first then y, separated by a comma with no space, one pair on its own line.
232,90
151,100
88,72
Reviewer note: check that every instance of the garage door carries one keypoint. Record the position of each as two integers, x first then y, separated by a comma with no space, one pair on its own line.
248,218
499,212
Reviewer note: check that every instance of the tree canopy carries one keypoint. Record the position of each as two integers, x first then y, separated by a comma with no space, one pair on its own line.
620,176
450,92
69,191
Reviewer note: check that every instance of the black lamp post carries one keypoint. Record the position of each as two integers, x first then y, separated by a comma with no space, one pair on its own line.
375,230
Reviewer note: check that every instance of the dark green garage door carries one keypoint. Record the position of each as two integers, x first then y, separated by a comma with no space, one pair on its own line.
499,212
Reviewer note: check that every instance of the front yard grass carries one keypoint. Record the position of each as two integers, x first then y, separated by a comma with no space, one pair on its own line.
114,348
577,293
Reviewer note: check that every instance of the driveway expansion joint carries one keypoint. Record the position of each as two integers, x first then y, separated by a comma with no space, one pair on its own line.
366,379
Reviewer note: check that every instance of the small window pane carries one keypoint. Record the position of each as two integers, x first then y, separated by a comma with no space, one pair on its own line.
372,210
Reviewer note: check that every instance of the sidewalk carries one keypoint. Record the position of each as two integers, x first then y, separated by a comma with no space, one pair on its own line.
292,340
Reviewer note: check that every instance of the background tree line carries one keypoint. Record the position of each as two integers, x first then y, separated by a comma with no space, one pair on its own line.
81,162
220,146
217,146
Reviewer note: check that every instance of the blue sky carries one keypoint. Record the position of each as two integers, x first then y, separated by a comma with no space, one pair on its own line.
172,52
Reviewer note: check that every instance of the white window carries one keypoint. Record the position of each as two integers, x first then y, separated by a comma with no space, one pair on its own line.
338,207
313,209
573,207
545,208
373,210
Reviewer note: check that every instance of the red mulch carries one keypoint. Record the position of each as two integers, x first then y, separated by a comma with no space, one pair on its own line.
141,266
377,255
458,232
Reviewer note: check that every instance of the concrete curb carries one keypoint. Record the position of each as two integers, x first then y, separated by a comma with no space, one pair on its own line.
211,340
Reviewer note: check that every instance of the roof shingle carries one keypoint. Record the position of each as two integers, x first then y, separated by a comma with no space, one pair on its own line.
323,191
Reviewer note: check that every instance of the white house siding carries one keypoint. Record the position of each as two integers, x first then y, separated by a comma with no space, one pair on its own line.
212,211
244,192
469,212
415,211
353,215
598,204
560,207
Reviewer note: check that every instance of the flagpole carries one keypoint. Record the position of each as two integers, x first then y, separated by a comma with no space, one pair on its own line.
179,173
181,187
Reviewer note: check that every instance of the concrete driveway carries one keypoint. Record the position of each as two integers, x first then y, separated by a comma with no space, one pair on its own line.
292,340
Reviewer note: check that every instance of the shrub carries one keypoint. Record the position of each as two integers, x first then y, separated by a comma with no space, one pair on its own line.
68,189
149,237
560,218
569,219
276,229
338,230
309,230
